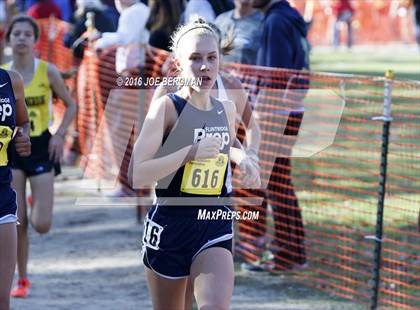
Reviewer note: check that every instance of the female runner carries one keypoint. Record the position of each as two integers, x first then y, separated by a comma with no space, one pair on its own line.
14,131
185,146
40,79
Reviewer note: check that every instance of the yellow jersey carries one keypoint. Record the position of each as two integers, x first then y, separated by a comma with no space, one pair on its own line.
38,98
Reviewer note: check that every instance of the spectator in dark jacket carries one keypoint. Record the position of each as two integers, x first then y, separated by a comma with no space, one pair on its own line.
284,45
283,42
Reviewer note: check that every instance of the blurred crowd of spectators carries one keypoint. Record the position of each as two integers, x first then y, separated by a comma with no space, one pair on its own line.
154,20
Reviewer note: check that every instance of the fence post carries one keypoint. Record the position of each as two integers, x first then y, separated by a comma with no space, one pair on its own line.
386,118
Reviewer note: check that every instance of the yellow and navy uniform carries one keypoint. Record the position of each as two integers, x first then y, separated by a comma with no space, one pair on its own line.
38,99
174,235
7,129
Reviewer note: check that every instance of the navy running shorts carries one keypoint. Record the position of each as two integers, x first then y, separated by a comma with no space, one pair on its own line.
173,237
38,162
8,205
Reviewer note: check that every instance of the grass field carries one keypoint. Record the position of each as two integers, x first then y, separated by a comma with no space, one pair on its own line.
404,60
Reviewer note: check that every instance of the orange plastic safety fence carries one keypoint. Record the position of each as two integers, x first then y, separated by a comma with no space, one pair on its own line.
337,188
319,209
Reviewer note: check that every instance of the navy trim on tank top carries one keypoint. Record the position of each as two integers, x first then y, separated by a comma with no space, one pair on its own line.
180,103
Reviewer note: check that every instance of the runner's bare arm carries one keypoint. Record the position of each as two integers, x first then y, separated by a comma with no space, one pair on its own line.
161,91
244,112
22,141
250,177
22,119
144,169
55,147
237,153
58,86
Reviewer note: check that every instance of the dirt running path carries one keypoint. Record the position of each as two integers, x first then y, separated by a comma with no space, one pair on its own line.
91,260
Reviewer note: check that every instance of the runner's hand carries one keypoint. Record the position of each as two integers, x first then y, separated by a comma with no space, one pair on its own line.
250,173
209,147
55,148
22,143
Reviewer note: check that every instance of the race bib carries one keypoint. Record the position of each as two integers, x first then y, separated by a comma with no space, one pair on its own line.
35,118
151,235
204,176
6,135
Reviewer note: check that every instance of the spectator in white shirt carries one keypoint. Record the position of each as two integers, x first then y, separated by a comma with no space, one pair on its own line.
131,30
201,8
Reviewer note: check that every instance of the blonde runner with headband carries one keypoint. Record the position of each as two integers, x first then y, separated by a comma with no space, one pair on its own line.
185,145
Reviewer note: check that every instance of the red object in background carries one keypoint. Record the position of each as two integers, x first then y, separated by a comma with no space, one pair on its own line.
44,9
341,6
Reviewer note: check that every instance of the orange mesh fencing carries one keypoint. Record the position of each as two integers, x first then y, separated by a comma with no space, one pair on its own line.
337,190
114,132
50,44
324,214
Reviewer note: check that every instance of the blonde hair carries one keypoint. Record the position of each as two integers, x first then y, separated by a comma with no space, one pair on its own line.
198,25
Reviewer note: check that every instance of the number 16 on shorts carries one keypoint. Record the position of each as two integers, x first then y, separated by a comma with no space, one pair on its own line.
151,235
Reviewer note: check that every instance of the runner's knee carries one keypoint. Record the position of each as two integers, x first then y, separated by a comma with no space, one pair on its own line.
42,227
